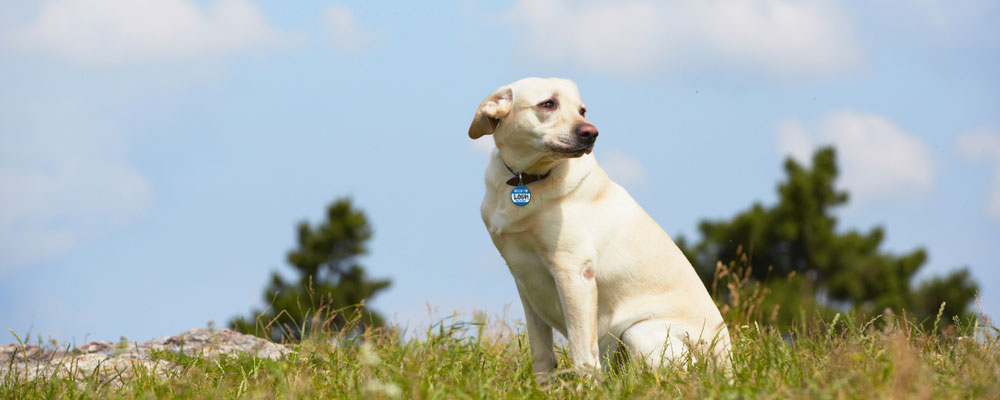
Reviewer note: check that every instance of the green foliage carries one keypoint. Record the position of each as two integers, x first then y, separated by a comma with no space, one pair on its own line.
829,359
331,288
955,290
810,265
837,357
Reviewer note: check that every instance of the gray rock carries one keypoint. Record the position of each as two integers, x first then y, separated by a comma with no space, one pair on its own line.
116,362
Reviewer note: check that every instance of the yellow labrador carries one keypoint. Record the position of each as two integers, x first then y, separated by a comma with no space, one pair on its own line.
586,258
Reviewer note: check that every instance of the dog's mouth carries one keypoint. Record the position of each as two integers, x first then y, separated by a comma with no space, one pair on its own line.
571,150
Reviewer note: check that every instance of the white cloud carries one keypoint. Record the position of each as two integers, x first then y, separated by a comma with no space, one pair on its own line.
877,158
622,168
979,146
109,32
64,181
640,36
346,32
950,18
483,145
795,141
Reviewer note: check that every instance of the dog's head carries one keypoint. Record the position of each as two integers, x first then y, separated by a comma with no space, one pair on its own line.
534,119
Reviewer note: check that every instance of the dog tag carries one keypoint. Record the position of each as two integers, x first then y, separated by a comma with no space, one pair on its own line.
520,195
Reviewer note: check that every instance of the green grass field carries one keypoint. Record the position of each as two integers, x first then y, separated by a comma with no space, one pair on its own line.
883,358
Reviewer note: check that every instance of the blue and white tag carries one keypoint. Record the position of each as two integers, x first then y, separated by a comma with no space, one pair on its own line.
520,195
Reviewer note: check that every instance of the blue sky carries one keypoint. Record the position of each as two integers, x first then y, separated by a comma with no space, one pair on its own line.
155,155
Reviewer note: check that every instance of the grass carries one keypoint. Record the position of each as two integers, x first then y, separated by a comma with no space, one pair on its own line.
887,356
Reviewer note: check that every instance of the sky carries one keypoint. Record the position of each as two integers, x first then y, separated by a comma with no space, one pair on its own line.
155,155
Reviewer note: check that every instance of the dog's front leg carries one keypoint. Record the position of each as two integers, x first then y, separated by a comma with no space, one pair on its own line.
577,286
539,339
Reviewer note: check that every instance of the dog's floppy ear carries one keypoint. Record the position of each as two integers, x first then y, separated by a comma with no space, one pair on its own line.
488,116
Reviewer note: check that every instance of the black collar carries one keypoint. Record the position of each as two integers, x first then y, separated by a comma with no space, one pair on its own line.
521,178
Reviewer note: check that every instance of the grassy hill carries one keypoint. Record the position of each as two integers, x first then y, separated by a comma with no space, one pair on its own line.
888,356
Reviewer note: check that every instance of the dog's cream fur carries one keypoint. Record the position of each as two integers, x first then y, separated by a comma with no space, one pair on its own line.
586,258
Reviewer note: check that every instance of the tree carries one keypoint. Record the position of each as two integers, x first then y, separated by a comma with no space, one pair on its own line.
808,263
331,288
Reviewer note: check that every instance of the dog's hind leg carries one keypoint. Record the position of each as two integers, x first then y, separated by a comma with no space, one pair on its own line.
658,342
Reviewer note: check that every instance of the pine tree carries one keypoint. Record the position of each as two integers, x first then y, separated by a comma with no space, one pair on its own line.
331,288
795,248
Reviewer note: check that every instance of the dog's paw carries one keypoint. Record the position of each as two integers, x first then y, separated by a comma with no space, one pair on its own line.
591,369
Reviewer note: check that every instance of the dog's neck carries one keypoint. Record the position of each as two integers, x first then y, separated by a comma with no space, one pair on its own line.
556,169
535,166
521,178
532,171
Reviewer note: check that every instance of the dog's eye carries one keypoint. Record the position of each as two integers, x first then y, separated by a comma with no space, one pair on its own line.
547,104
583,112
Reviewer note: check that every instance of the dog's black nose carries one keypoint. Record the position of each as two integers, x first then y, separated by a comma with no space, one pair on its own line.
587,132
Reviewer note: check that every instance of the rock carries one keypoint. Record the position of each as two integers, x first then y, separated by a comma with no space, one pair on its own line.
94,347
117,361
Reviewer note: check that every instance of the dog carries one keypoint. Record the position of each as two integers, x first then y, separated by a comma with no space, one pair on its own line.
587,260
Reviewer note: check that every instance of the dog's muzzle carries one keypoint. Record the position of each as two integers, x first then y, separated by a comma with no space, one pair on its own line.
586,133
